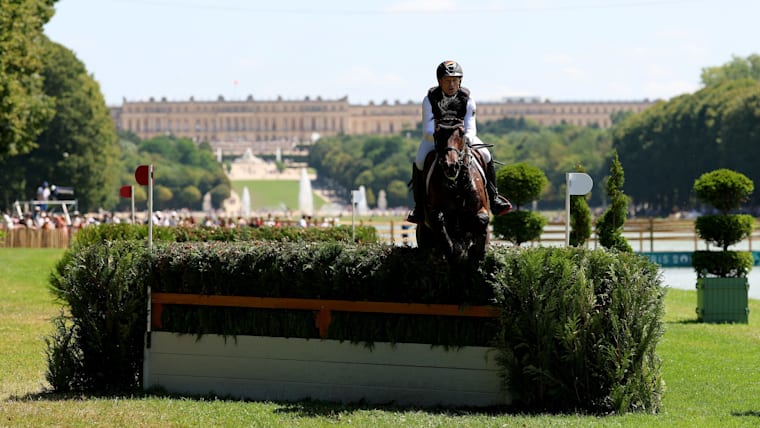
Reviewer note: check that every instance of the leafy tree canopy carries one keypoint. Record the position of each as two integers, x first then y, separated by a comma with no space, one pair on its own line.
375,162
668,146
384,163
184,171
737,68
78,147
25,108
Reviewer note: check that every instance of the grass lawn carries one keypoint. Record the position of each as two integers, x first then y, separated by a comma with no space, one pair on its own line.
273,194
712,374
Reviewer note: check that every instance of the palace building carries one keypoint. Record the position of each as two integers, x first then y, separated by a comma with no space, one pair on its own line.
249,123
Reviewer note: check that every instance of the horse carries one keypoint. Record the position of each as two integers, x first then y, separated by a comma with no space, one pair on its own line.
457,204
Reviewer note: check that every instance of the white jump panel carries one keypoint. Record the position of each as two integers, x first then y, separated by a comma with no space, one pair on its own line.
281,369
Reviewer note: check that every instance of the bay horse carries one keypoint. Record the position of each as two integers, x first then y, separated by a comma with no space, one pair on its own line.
457,204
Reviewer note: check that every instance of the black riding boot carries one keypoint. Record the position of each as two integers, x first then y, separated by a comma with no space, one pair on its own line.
417,214
499,204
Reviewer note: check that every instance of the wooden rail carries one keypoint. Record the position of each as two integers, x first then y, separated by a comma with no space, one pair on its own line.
642,233
322,307
35,238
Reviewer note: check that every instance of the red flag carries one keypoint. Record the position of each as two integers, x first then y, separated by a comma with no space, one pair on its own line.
142,175
125,191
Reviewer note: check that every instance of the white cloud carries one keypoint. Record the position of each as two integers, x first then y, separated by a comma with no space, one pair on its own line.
657,70
491,92
622,91
641,52
248,64
674,33
559,58
695,51
575,72
358,76
423,6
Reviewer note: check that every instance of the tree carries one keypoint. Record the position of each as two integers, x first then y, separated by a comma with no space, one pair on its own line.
190,197
610,224
79,147
219,194
672,143
737,68
181,167
580,217
377,163
25,108
553,149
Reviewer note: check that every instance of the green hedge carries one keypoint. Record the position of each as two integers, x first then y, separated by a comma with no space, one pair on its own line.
578,328
118,232
98,339
128,232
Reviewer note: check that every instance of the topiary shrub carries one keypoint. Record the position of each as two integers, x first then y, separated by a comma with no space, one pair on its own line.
580,217
609,226
519,226
722,264
724,230
725,190
523,184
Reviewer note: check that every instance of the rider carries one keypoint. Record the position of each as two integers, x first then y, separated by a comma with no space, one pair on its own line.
449,100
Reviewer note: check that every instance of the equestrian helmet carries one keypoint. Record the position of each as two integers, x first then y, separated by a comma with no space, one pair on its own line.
448,68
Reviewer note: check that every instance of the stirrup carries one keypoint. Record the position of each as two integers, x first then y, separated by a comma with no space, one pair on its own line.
500,206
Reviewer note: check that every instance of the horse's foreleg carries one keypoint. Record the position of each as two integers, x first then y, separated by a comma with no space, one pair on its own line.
478,249
438,225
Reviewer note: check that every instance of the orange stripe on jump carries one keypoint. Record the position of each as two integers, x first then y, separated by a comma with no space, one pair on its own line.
320,304
323,307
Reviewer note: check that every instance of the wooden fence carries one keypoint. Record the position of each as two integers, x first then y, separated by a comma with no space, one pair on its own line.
35,238
644,235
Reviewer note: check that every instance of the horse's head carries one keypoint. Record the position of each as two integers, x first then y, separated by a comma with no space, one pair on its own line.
450,147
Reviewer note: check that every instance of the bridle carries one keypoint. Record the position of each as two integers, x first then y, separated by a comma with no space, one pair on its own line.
463,155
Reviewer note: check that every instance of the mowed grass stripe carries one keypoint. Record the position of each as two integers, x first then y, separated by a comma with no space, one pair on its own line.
26,308
274,194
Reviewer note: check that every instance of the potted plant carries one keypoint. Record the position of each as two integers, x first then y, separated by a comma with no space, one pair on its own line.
722,284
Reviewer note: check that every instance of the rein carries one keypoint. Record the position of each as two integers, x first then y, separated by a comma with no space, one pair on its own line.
463,155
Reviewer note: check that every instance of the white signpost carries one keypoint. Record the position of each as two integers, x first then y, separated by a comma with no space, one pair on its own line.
144,177
577,183
356,197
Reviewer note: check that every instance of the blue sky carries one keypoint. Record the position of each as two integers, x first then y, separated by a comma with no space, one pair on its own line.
370,50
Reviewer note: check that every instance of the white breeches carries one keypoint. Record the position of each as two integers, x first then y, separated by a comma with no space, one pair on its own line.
428,146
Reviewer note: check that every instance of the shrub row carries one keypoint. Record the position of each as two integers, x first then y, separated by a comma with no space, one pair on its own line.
577,329
135,232
120,232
